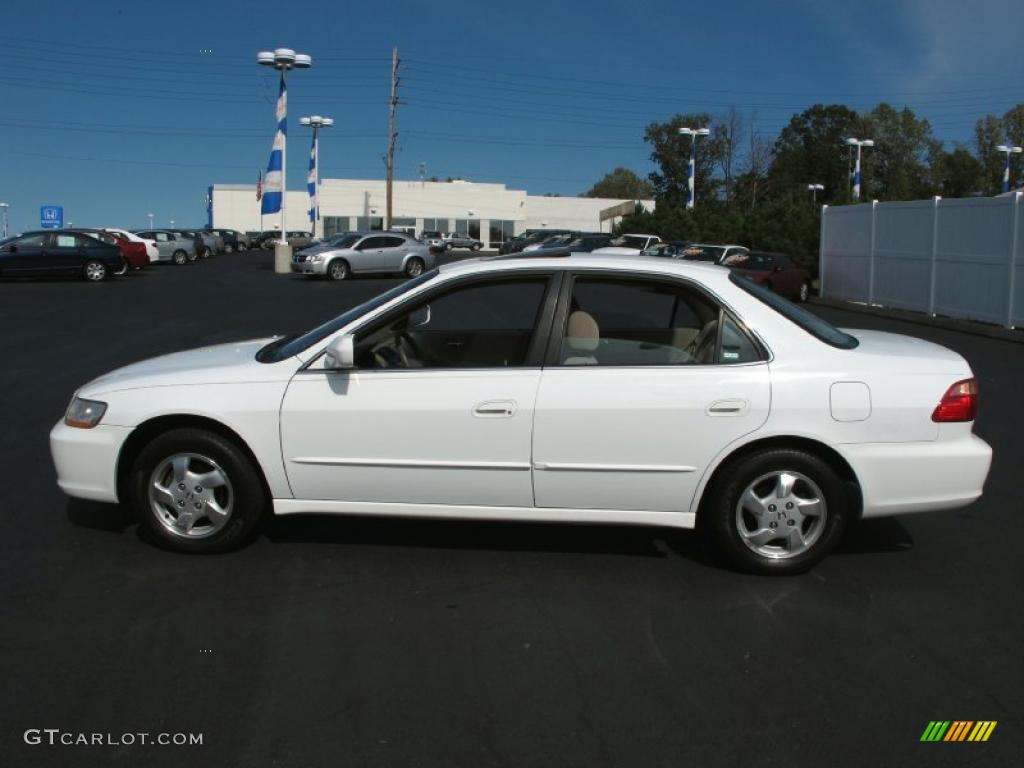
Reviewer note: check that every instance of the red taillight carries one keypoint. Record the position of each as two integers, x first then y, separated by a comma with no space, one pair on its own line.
960,403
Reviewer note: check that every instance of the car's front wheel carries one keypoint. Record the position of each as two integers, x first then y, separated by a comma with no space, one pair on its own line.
179,257
776,512
414,267
196,491
477,246
229,248
337,269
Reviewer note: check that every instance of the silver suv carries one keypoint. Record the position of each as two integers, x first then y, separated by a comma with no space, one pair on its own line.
351,253
461,240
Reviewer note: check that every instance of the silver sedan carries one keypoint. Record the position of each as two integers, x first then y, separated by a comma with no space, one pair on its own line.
356,253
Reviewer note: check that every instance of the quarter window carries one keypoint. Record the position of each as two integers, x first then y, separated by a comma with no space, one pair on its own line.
480,325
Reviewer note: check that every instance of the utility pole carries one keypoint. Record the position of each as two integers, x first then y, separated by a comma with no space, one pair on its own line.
389,160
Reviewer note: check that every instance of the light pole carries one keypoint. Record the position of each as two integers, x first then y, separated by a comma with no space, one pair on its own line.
815,189
1006,168
282,59
172,223
691,168
858,143
313,181
4,207
150,215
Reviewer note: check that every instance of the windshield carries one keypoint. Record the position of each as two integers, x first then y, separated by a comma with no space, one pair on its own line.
704,253
289,346
761,262
814,325
629,241
343,241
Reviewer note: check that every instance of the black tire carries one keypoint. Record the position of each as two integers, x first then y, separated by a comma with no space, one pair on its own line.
249,502
414,267
207,253
477,246
94,271
338,269
192,255
179,257
448,246
241,248
123,270
803,292
229,248
718,517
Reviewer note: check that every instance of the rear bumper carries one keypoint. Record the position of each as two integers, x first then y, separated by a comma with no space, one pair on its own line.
86,459
902,478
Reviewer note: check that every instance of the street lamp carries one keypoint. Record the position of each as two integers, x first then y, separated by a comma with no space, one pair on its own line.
150,215
858,143
693,133
172,223
317,122
283,59
4,207
815,189
1006,168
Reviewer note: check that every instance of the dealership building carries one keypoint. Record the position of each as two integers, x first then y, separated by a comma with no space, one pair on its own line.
489,212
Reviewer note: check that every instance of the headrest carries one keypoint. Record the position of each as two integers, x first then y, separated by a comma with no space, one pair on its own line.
582,332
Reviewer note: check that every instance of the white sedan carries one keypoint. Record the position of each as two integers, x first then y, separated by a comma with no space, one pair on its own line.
584,389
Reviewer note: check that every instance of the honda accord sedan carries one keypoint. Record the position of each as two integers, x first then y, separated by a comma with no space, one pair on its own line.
582,389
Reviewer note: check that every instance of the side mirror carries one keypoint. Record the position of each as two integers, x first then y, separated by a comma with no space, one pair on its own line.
341,353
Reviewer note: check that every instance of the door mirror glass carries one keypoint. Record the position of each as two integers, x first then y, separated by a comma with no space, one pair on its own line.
340,353
420,317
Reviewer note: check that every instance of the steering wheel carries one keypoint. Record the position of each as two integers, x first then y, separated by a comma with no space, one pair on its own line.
401,351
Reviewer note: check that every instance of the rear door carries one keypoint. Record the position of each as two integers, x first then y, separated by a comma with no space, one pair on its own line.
395,249
645,381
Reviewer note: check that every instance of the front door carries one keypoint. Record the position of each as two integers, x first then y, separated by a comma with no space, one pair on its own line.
647,382
372,257
24,255
439,408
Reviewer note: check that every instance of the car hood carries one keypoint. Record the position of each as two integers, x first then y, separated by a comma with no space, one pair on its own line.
222,363
895,351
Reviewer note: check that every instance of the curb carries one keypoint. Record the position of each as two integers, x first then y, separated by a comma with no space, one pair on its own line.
947,323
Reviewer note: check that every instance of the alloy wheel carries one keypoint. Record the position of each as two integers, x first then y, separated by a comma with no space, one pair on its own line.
190,495
95,271
781,514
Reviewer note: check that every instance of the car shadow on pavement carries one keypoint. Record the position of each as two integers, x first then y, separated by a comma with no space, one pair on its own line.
458,534
114,518
875,536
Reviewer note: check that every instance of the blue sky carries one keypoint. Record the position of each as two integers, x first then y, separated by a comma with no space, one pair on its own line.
112,109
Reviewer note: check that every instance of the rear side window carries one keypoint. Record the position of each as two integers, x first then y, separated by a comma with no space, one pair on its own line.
814,325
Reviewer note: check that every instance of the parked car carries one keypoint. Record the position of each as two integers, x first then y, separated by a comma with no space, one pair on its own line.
233,240
774,271
628,245
133,254
253,239
150,245
670,250
59,252
353,253
546,239
173,247
206,243
583,389
433,239
575,242
714,254
461,240
299,240
525,238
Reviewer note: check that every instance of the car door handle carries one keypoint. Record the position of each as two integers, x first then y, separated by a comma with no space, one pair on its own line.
495,409
734,407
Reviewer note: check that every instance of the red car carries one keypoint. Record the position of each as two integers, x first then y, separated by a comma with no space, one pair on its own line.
774,271
134,254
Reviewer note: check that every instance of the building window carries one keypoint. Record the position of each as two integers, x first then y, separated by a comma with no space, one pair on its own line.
470,226
334,224
501,231
435,225
403,224
369,223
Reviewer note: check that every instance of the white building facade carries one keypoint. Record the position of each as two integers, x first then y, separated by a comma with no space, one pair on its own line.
489,212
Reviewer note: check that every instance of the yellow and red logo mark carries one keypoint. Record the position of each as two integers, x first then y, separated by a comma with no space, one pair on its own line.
958,730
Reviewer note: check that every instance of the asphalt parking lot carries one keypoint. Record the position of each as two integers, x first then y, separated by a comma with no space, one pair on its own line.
348,641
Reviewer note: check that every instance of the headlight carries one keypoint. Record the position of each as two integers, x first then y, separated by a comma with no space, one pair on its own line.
84,414
317,257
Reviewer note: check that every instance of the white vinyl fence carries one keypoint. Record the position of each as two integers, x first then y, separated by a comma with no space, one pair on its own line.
960,258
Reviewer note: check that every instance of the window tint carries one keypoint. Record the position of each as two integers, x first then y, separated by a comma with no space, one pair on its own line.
736,346
635,322
373,242
814,325
483,324
392,242
30,241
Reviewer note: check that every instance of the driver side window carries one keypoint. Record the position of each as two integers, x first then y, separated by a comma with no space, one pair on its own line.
481,325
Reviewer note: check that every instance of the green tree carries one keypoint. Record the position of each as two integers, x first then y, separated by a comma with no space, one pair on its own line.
991,131
812,149
671,154
621,183
905,162
961,174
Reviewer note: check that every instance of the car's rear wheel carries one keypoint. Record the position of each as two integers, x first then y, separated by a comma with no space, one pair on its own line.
776,512
94,271
414,267
179,257
804,292
229,248
337,269
448,246
196,491
207,253
241,247
192,255
477,246
123,268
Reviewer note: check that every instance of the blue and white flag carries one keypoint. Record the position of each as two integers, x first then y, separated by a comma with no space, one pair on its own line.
272,190
314,214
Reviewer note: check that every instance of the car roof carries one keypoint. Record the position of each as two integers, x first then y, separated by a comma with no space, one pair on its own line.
703,271
717,245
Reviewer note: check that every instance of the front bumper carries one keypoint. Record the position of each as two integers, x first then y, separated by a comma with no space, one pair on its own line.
86,459
901,478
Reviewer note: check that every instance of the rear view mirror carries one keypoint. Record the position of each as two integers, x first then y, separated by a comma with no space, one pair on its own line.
341,353
420,317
